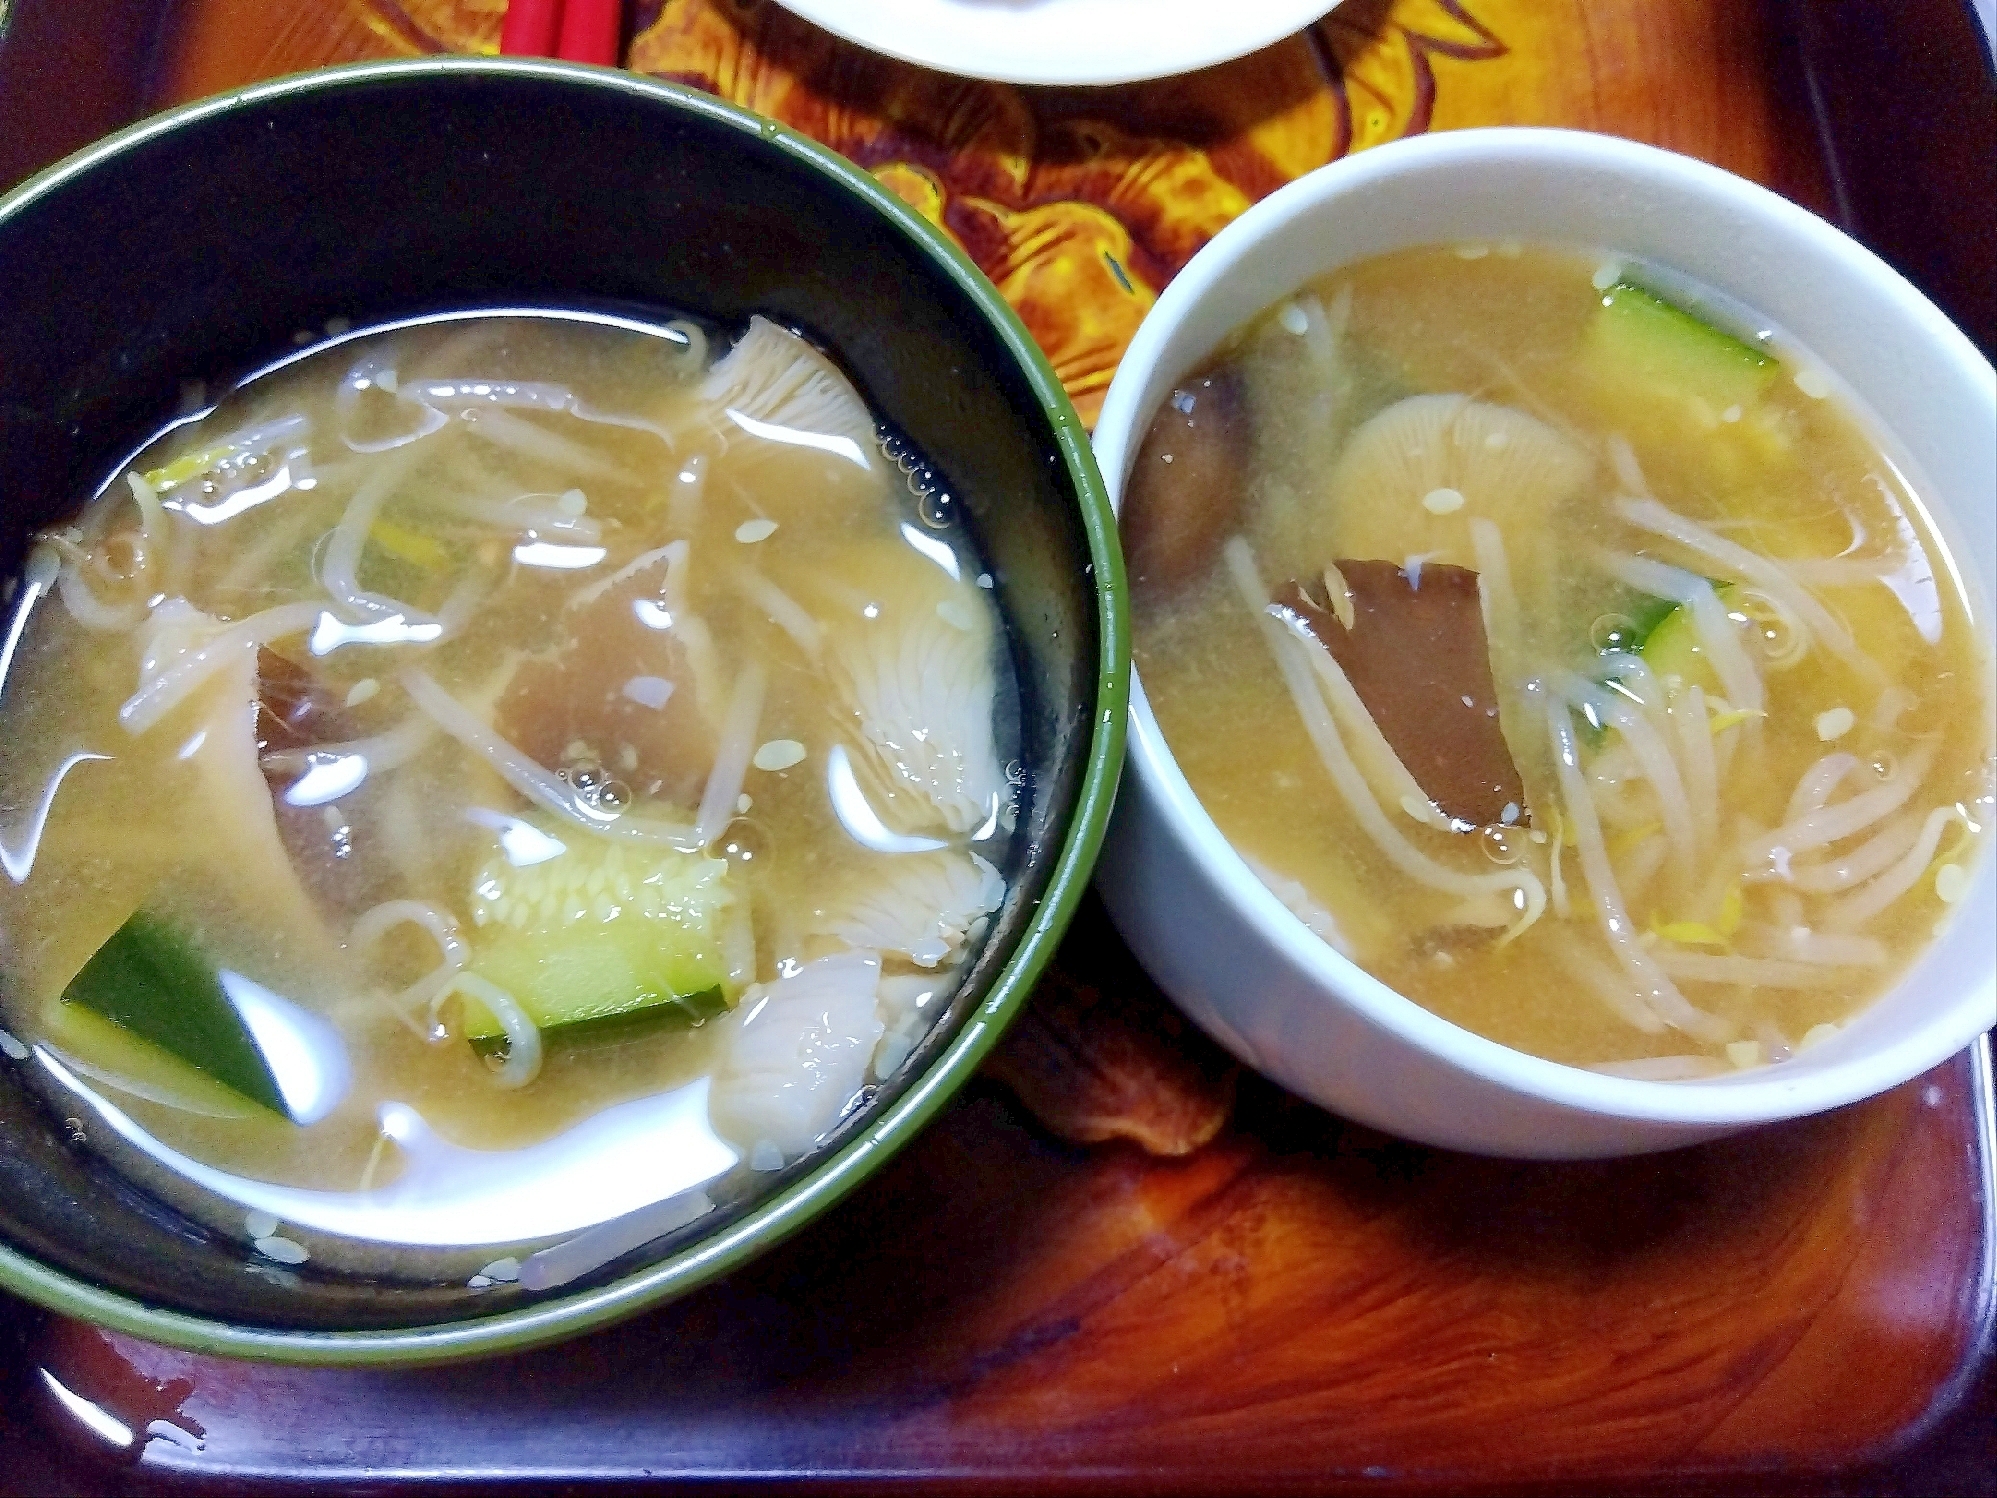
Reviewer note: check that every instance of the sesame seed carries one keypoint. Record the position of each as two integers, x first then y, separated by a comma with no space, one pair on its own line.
778,754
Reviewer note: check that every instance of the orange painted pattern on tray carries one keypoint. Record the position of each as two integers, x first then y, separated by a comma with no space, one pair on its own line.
1080,206
1082,203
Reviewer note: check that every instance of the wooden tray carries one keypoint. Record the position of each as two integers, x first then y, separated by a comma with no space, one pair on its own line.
1300,1305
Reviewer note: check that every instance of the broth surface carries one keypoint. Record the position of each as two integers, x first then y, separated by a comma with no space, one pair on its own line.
1593,443
525,665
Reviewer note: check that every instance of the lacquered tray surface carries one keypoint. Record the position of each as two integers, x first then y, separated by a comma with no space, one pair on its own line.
1300,1304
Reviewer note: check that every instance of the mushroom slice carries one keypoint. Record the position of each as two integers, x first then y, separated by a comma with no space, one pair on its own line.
926,907
1414,476
1100,1056
296,713
774,386
1187,482
910,650
230,800
795,1052
1416,656
636,686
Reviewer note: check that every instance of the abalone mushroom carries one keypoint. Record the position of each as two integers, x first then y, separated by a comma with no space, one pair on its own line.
925,908
1415,475
910,649
774,385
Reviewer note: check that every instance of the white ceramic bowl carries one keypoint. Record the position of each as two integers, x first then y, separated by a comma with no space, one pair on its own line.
1062,42
1227,950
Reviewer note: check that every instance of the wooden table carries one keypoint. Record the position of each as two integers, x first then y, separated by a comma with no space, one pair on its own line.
1299,1304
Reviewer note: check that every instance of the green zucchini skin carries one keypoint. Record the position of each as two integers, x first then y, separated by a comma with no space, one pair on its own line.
1663,345
152,978
666,1012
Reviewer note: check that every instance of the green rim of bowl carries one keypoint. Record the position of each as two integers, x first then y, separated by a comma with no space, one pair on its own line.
837,1175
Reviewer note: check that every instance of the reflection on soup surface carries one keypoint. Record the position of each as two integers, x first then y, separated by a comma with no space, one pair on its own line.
494,774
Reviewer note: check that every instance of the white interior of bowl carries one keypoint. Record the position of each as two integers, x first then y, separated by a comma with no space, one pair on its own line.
1919,376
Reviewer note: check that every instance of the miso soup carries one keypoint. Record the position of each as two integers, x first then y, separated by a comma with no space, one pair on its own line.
1563,647
493,775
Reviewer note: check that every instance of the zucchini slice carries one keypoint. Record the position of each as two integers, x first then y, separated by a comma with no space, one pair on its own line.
1673,648
1673,355
602,941
153,979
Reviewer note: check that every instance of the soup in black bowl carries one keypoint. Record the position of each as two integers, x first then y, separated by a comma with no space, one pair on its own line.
562,680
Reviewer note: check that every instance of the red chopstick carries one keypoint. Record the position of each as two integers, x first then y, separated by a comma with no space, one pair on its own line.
591,30
575,30
530,27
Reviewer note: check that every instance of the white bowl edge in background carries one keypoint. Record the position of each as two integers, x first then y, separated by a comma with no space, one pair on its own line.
1062,42
1226,949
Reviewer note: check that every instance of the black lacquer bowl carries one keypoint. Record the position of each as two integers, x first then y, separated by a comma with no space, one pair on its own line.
197,244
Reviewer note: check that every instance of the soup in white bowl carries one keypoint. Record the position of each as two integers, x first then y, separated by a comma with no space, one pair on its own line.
1575,665
1428,1026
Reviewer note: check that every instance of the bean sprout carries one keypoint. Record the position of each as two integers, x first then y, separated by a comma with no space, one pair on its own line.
1867,859
1651,979
1813,790
1606,984
452,952
785,611
1746,972
523,1037
532,780
1653,753
1867,901
1800,943
382,751
731,755
1737,673
172,686
1769,576
1387,775
1695,755
1530,893
1830,824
